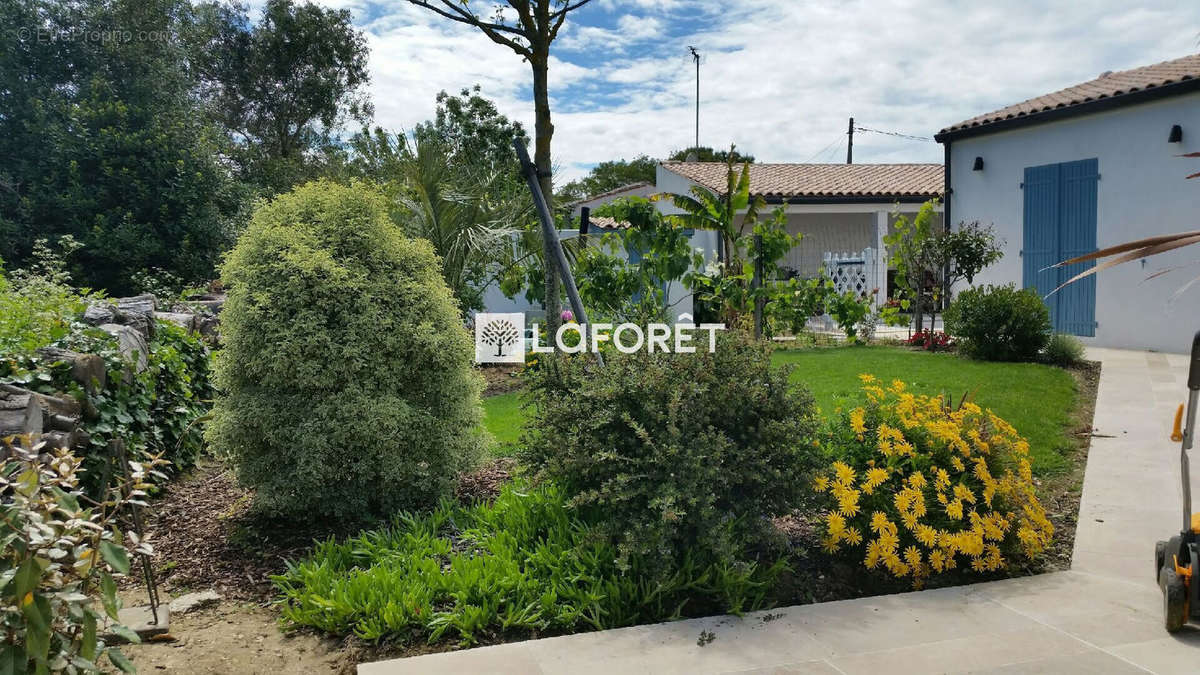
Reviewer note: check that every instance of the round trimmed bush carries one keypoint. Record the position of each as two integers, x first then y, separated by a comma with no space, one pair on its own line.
346,380
676,456
999,323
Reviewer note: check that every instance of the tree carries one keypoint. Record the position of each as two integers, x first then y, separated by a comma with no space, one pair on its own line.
528,27
102,140
607,176
282,88
706,154
471,129
929,259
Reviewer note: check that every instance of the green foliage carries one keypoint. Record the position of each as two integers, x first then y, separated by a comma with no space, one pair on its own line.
473,130
608,176
929,259
346,382
674,454
999,323
282,88
56,555
521,566
707,154
613,287
1064,350
37,305
103,140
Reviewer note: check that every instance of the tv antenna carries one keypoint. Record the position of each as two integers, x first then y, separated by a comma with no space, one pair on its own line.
696,58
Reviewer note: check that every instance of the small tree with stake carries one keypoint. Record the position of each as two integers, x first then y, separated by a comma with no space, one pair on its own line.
529,34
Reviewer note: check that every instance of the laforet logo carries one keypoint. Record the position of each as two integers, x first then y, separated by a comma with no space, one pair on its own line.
501,338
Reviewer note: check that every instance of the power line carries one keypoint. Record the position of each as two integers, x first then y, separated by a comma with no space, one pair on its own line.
896,134
825,149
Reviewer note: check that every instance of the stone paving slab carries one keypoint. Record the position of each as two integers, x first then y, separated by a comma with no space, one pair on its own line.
1102,616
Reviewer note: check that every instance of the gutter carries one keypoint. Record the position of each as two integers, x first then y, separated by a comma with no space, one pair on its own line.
850,199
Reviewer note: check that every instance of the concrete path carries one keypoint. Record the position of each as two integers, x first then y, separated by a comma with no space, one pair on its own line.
1103,616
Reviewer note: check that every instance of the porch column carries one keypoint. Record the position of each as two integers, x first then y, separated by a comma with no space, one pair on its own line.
881,257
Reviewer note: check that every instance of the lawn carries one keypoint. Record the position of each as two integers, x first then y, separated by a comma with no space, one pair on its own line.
503,416
1036,399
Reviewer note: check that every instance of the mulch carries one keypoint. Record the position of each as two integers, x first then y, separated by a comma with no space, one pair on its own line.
206,537
501,378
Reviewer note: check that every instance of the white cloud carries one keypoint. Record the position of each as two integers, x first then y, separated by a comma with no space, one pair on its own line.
779,77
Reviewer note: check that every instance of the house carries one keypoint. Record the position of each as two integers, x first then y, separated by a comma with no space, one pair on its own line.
1087,167
641,189
839,208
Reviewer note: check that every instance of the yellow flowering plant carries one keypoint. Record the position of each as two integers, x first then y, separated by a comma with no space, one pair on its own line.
921,487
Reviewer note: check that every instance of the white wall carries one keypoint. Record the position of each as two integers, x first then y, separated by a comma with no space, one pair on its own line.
1141,192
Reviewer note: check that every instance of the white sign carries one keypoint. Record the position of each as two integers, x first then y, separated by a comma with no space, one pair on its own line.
500,338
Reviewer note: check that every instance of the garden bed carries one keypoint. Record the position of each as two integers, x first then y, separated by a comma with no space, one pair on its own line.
218,545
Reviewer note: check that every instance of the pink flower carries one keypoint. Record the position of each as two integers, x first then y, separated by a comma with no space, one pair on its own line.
567,315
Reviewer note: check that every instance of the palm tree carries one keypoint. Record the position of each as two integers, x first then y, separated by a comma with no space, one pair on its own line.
704,209
462,211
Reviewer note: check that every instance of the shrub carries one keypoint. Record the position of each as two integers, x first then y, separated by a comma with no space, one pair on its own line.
522,565
674,453
346,385
999,323
38,305
56,554
1064,350
920,486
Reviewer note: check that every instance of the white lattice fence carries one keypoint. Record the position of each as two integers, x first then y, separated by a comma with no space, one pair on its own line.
856,272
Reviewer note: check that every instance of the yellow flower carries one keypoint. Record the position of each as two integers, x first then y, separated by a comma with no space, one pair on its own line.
958,464
879,521
858,421
853,536
912,556
830,545
835,525
897,387
867,378
821,483
926,535
917,480
845,474
874,477
937,561
848,503
955,509
964,493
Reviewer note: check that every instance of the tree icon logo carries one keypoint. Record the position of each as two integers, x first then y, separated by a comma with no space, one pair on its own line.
499,338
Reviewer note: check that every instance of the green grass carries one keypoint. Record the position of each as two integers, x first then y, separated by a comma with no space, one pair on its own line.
503,416
1035,399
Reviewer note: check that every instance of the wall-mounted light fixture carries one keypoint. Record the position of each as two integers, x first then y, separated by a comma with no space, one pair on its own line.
978,166
1176,134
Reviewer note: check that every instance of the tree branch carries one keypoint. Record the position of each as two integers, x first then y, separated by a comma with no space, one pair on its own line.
492,30
560,16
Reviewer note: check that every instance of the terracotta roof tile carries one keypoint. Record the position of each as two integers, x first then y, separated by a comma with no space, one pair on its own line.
1106,86
608,223
822,180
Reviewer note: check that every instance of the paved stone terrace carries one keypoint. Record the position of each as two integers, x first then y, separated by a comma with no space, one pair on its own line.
1103,616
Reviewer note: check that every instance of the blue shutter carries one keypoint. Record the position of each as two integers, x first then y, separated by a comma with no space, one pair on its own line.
1060,223
1077,306
1039,249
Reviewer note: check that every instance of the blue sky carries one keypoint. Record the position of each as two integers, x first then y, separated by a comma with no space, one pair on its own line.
779,77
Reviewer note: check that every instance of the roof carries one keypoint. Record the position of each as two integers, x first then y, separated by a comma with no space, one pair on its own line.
607,223
1110,89
824,182
612,192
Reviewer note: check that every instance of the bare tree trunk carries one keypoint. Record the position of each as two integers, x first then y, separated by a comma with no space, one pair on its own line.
543,132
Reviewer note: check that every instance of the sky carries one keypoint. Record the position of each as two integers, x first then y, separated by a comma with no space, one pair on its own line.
778,77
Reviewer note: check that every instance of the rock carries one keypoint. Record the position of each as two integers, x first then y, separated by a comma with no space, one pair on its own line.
193,601
139,304
208,326
86,369
138,312
187,321
131,343
19,411
100,312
